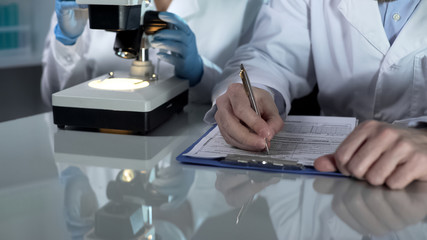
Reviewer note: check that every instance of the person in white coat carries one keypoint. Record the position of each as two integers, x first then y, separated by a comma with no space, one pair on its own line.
369,60
219,28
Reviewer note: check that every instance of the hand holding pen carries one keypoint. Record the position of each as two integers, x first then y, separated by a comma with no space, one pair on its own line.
248,89
240,125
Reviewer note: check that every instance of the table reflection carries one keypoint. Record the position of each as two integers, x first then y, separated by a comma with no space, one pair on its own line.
137,201
175,201
378,212
305,207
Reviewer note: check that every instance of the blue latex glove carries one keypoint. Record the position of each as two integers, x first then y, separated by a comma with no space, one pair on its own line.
181,42
72,20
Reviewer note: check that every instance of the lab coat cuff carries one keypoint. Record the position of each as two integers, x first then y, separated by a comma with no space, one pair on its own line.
209,117
278,89
418,122
276,95
279,101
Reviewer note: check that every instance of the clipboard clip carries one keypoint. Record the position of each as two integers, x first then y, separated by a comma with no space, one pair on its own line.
261,161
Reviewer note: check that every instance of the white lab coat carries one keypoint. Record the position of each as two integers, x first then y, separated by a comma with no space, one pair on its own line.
341,45
220,27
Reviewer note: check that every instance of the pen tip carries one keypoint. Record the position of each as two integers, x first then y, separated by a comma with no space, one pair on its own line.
267,149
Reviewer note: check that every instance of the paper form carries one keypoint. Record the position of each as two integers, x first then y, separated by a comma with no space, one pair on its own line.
302,139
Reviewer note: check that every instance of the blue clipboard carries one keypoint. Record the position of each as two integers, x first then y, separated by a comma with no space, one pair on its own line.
218,162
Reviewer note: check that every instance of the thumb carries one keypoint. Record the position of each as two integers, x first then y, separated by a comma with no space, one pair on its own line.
325,163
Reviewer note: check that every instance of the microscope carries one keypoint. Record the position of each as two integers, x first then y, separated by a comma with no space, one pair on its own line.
136,202
139,100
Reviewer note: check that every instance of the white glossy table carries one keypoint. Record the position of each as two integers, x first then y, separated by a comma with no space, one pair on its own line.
70,184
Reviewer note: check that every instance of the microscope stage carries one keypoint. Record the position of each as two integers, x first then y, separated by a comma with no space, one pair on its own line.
140,109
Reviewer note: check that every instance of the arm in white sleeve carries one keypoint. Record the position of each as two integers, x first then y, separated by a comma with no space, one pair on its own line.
418,122
275,57
239,32
63,66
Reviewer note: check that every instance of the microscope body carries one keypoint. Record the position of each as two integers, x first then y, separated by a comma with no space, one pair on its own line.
139,100
133,23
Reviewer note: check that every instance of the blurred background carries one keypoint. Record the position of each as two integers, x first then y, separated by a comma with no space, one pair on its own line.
23,27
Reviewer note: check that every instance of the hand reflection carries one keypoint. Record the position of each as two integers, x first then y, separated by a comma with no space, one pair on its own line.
239,188
80,202
375,210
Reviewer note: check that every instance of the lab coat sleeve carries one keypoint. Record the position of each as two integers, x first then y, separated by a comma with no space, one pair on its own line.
279,54
63,66
418,122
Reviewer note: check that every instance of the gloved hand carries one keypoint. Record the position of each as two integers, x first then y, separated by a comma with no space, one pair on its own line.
72,20
181,42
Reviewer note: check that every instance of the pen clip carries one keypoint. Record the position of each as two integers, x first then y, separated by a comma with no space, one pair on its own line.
248,88
262,161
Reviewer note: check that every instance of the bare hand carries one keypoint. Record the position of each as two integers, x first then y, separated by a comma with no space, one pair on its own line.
240,125
380,153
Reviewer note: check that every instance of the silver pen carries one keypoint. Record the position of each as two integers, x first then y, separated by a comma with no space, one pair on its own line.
249,92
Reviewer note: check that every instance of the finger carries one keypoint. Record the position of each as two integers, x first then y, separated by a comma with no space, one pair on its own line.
275,123
239,136
175,20
350,145
270,114
368,153
232,130
381,141
242,109
171,58
174,35
325,163
169,45
386,164
412,169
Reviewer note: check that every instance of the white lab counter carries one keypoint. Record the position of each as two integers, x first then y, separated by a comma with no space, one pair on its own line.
74,184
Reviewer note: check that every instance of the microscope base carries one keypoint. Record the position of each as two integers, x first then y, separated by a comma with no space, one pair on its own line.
140,110
140,122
